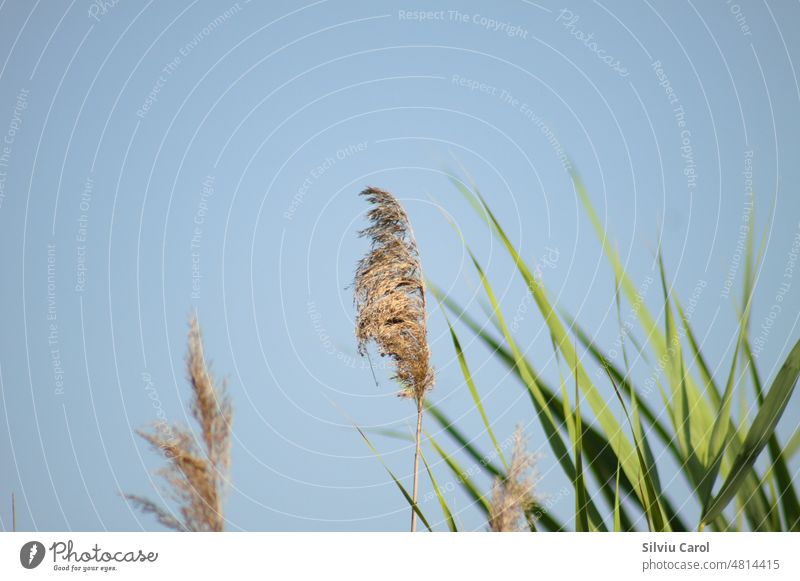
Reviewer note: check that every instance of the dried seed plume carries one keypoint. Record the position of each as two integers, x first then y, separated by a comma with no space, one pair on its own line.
513,496
196,472
390,295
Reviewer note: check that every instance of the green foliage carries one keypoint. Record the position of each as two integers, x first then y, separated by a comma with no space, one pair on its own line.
714,445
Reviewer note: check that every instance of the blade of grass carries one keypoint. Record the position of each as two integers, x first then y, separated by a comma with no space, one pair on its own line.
541,404
600,454
711,389
788,496
462,476
652,334
693,465
622,381
621,328
407,496
718,438
666,438
581,508
465,444
720,429
793,445
696,411
653,509
396,434
544,518
462,361
757,504
598,405
702,423
758,435
448,515
617,520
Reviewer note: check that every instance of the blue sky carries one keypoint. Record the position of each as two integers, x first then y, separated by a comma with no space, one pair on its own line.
165,158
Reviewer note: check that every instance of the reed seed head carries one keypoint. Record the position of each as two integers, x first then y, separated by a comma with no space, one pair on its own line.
390,295
196,473
513,496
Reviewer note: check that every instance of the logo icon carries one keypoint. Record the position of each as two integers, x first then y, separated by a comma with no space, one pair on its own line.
31,554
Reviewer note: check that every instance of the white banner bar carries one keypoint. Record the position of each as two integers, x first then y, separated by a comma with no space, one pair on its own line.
401,556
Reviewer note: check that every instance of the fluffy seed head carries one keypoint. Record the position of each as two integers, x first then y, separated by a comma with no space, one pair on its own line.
513,496
195,475
390,295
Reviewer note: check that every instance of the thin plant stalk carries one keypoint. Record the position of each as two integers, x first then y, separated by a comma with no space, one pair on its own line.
416,464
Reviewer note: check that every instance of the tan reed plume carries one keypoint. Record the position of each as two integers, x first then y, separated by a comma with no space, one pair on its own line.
390,304
196,473
513,496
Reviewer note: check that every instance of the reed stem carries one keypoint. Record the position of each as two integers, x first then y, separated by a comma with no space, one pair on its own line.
416,465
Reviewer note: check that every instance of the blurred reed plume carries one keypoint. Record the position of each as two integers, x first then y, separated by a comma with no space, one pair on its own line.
512,496
390,304
196,472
